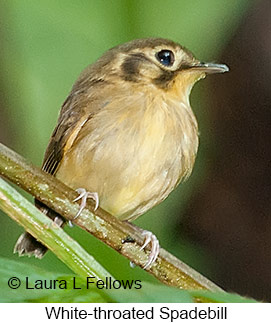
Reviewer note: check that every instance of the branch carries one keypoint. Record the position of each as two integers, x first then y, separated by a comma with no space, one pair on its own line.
101,224
51,235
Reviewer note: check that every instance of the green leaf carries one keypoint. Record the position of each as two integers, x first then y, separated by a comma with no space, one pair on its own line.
74,296
150,293
28,275
213,297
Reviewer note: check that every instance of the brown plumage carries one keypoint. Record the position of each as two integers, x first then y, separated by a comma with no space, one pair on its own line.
127,131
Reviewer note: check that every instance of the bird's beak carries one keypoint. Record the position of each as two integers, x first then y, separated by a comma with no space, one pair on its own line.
210,68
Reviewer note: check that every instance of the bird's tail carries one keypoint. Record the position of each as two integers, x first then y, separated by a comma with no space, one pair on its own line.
27,245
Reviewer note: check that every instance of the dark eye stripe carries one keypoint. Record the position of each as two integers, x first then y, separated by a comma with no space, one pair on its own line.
131,65
165,57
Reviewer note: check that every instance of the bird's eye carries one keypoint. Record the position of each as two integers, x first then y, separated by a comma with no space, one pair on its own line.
165,57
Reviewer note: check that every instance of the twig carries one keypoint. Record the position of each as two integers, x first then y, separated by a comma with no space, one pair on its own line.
40,226
102,225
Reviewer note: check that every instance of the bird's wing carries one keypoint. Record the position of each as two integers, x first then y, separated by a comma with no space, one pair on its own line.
76,110
79,107
69,124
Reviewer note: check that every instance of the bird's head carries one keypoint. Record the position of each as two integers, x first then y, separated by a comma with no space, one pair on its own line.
156,62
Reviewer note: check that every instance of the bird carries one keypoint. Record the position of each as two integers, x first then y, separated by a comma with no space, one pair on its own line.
126,135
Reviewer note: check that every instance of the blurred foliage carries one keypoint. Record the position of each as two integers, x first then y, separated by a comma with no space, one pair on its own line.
64,289
45,45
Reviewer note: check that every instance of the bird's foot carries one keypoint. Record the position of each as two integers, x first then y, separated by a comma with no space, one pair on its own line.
83,196
150,238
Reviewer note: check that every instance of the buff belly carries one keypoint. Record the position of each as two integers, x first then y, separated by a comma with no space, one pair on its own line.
133,158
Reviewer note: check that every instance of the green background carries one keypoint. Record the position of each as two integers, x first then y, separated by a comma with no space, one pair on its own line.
44,47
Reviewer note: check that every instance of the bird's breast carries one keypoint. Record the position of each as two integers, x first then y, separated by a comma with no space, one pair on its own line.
133,152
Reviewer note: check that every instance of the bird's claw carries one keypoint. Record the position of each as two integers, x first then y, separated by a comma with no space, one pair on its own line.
83,196
150,238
